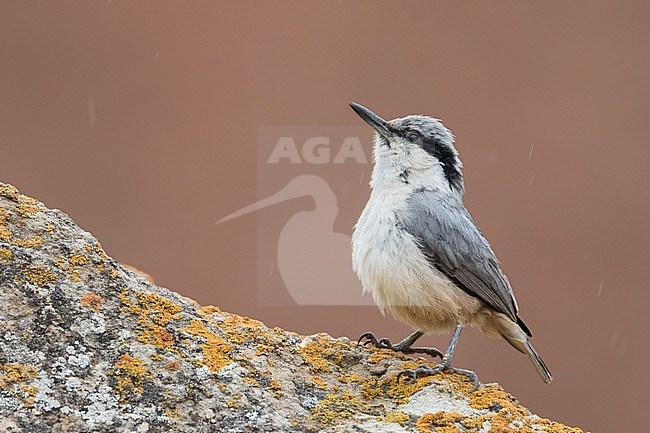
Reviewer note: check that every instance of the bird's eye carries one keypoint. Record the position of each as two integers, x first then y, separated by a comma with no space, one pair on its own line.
413,137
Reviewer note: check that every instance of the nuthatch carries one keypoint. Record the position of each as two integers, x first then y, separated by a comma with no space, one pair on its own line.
418,252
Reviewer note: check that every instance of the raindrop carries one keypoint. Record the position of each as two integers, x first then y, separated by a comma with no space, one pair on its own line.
600,289
531,180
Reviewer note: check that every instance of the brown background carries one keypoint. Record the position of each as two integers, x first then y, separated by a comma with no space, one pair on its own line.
179,89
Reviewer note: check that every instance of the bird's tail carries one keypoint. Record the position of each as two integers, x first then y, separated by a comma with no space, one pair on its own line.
538,362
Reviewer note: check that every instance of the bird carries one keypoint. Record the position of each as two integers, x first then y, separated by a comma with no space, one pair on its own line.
417,250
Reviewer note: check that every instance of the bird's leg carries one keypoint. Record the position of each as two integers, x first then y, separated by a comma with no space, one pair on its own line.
445,364
405,346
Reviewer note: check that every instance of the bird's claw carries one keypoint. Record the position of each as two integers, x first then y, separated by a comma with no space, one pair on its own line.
370,339
382,343
403,346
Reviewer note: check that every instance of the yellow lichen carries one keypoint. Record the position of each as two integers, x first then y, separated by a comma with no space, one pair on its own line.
555,427
337,406
91,300
381,354
5,256
275,388
29,242
215,349
130,373
31,390
251,381
397,417
323,354
318,381
262,349
5,234
28,206
154,313
78,259
12,376
491,396
233,403
39,275
173,414
400,389
9,191
97,248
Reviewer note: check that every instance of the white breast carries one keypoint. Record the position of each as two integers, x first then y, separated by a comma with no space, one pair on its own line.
393,269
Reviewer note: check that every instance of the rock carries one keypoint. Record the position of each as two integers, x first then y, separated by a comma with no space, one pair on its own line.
88,345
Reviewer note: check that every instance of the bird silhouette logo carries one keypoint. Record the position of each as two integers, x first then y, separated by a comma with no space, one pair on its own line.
313,260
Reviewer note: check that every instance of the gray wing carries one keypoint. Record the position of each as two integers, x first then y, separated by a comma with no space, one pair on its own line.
453,244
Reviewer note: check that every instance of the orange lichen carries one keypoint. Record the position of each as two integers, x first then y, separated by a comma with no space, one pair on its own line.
215,349
130,373
173,365
91,300
443,422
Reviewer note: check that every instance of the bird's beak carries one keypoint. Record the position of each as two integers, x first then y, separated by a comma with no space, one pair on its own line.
372,119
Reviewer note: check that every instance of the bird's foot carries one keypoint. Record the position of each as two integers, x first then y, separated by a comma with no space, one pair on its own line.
405,346
444,366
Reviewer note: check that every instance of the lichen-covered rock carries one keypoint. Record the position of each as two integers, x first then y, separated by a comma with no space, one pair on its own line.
87,345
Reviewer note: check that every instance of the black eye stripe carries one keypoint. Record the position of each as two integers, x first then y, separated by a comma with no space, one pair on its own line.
447,158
